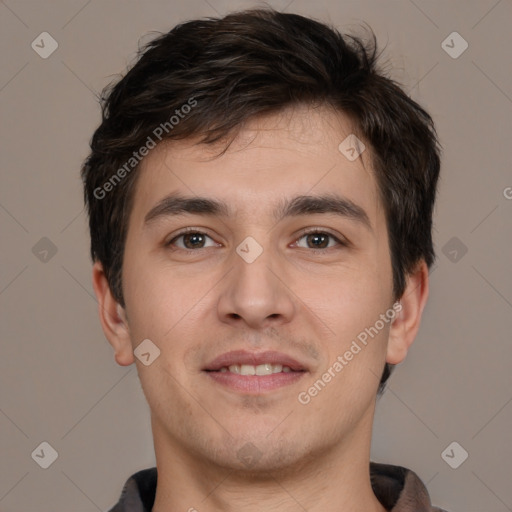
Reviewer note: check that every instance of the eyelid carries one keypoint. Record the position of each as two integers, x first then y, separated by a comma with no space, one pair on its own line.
343,241
340,239
172,238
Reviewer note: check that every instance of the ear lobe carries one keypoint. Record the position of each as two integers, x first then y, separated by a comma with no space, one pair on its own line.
112,317
407,321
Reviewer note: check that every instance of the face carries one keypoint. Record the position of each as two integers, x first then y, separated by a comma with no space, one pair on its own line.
258,295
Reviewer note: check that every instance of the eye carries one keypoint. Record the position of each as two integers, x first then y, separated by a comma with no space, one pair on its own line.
319,240
190,240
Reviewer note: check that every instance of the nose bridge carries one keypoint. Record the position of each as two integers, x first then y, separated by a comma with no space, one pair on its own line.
253,292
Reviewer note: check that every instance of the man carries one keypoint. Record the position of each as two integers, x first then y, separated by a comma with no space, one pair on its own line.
260,202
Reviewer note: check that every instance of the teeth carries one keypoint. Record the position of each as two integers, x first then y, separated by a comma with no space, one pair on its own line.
264,369
261,369
247,369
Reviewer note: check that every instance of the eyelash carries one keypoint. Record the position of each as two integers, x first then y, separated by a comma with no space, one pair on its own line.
310,231
315,231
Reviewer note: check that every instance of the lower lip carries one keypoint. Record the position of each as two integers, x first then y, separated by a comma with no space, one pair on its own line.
255,384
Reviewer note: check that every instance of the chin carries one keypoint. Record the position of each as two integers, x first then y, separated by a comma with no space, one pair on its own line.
256,453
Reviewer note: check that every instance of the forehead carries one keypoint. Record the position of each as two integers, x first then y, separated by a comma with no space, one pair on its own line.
271,158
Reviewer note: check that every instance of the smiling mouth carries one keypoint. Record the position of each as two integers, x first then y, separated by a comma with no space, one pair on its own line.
254,373
255,380
260,370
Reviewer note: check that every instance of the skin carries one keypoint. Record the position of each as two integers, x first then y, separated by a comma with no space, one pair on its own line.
308,302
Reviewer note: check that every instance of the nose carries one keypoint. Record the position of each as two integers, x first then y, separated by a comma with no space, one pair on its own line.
256,294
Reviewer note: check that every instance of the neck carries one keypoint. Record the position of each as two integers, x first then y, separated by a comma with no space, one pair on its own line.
333,478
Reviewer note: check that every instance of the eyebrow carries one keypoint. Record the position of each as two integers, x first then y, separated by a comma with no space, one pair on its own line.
176,204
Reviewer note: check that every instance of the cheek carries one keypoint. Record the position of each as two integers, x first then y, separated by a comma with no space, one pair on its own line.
348,309
169,308
154,303
349,300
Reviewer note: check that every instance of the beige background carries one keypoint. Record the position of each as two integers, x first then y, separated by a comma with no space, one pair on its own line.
58,380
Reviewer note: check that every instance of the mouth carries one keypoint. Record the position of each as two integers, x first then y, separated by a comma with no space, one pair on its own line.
254,373
261,369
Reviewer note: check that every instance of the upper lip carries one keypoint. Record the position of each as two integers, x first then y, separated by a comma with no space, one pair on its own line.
253,358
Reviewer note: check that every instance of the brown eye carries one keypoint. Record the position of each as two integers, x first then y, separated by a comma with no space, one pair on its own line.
318,240
191,240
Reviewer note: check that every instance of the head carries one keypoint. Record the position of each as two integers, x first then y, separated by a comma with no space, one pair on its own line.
252,110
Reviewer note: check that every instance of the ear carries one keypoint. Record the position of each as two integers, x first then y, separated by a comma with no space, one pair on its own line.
405,325
112,317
